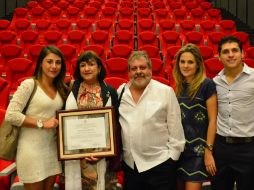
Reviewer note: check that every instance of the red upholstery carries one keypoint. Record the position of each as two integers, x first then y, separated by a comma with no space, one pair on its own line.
170,54
85,25
162,80
42,25
213,67
125,24
100,38
69,52
175,5
77,38
18,68
206,52
250,53
190,5
63,25
37,13
117,67
197,15
152,51
187,26
121,50
54,13
73,13
227,26
34,51
244,39
4,91
105,25
115,82
100,50
170,38
126,13
108,13
206,5
95,4
144,13
21,25
4,24
249,62
53,37
91,13
194,37
143,4
31,4
165,25
158,67
214,15
7,37
179,14
29,38
213,40
111,4
207,26
20,12
9,52
127,4
147,38
158,5
46,4
63,5
124,37
162,14
146,25
79,4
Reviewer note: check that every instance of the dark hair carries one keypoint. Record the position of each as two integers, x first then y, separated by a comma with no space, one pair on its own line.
59,80
229,39
86,57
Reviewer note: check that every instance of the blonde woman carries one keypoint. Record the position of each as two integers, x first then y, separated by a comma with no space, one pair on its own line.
198,101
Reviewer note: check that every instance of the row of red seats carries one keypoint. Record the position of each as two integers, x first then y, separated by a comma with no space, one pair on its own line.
74,14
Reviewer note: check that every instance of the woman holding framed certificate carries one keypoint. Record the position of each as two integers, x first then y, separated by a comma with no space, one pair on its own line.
89,91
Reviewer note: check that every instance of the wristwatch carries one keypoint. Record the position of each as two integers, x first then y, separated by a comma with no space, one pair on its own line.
209,146
39,124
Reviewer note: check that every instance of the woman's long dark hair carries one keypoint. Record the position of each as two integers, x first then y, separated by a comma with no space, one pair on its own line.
59,80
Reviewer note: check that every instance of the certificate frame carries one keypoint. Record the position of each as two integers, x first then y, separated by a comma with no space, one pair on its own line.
70,119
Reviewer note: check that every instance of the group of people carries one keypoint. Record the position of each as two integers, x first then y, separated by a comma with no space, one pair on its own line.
166,139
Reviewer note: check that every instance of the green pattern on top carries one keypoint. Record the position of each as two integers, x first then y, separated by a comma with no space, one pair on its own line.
194,173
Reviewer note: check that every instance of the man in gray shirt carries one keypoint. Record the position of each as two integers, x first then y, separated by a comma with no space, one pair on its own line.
234,142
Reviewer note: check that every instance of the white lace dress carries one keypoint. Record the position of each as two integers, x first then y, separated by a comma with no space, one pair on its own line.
37,148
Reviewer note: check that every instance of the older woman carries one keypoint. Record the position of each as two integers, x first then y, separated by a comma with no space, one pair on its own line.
90,91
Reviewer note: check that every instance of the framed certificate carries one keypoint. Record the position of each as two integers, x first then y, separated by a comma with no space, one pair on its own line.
83,133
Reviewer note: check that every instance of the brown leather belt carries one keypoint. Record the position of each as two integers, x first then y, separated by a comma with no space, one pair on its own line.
235,140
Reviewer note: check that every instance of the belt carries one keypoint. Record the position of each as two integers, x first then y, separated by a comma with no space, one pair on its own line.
235,140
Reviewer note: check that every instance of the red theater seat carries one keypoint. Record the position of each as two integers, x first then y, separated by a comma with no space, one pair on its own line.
115,82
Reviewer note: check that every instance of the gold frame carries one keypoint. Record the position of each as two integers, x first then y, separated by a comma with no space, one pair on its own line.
110,138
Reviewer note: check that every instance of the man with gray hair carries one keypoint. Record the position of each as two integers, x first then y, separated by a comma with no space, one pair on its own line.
152,133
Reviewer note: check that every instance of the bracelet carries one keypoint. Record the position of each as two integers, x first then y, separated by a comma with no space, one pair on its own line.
209,146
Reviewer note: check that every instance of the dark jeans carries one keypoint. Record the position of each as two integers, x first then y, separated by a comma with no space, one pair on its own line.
235,163
161,177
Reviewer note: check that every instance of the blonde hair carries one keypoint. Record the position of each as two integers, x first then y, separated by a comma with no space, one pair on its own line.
199,75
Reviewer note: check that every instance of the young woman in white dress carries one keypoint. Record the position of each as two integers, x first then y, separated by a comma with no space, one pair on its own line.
37,161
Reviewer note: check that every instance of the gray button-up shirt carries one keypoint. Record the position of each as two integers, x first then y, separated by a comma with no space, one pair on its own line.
236,104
